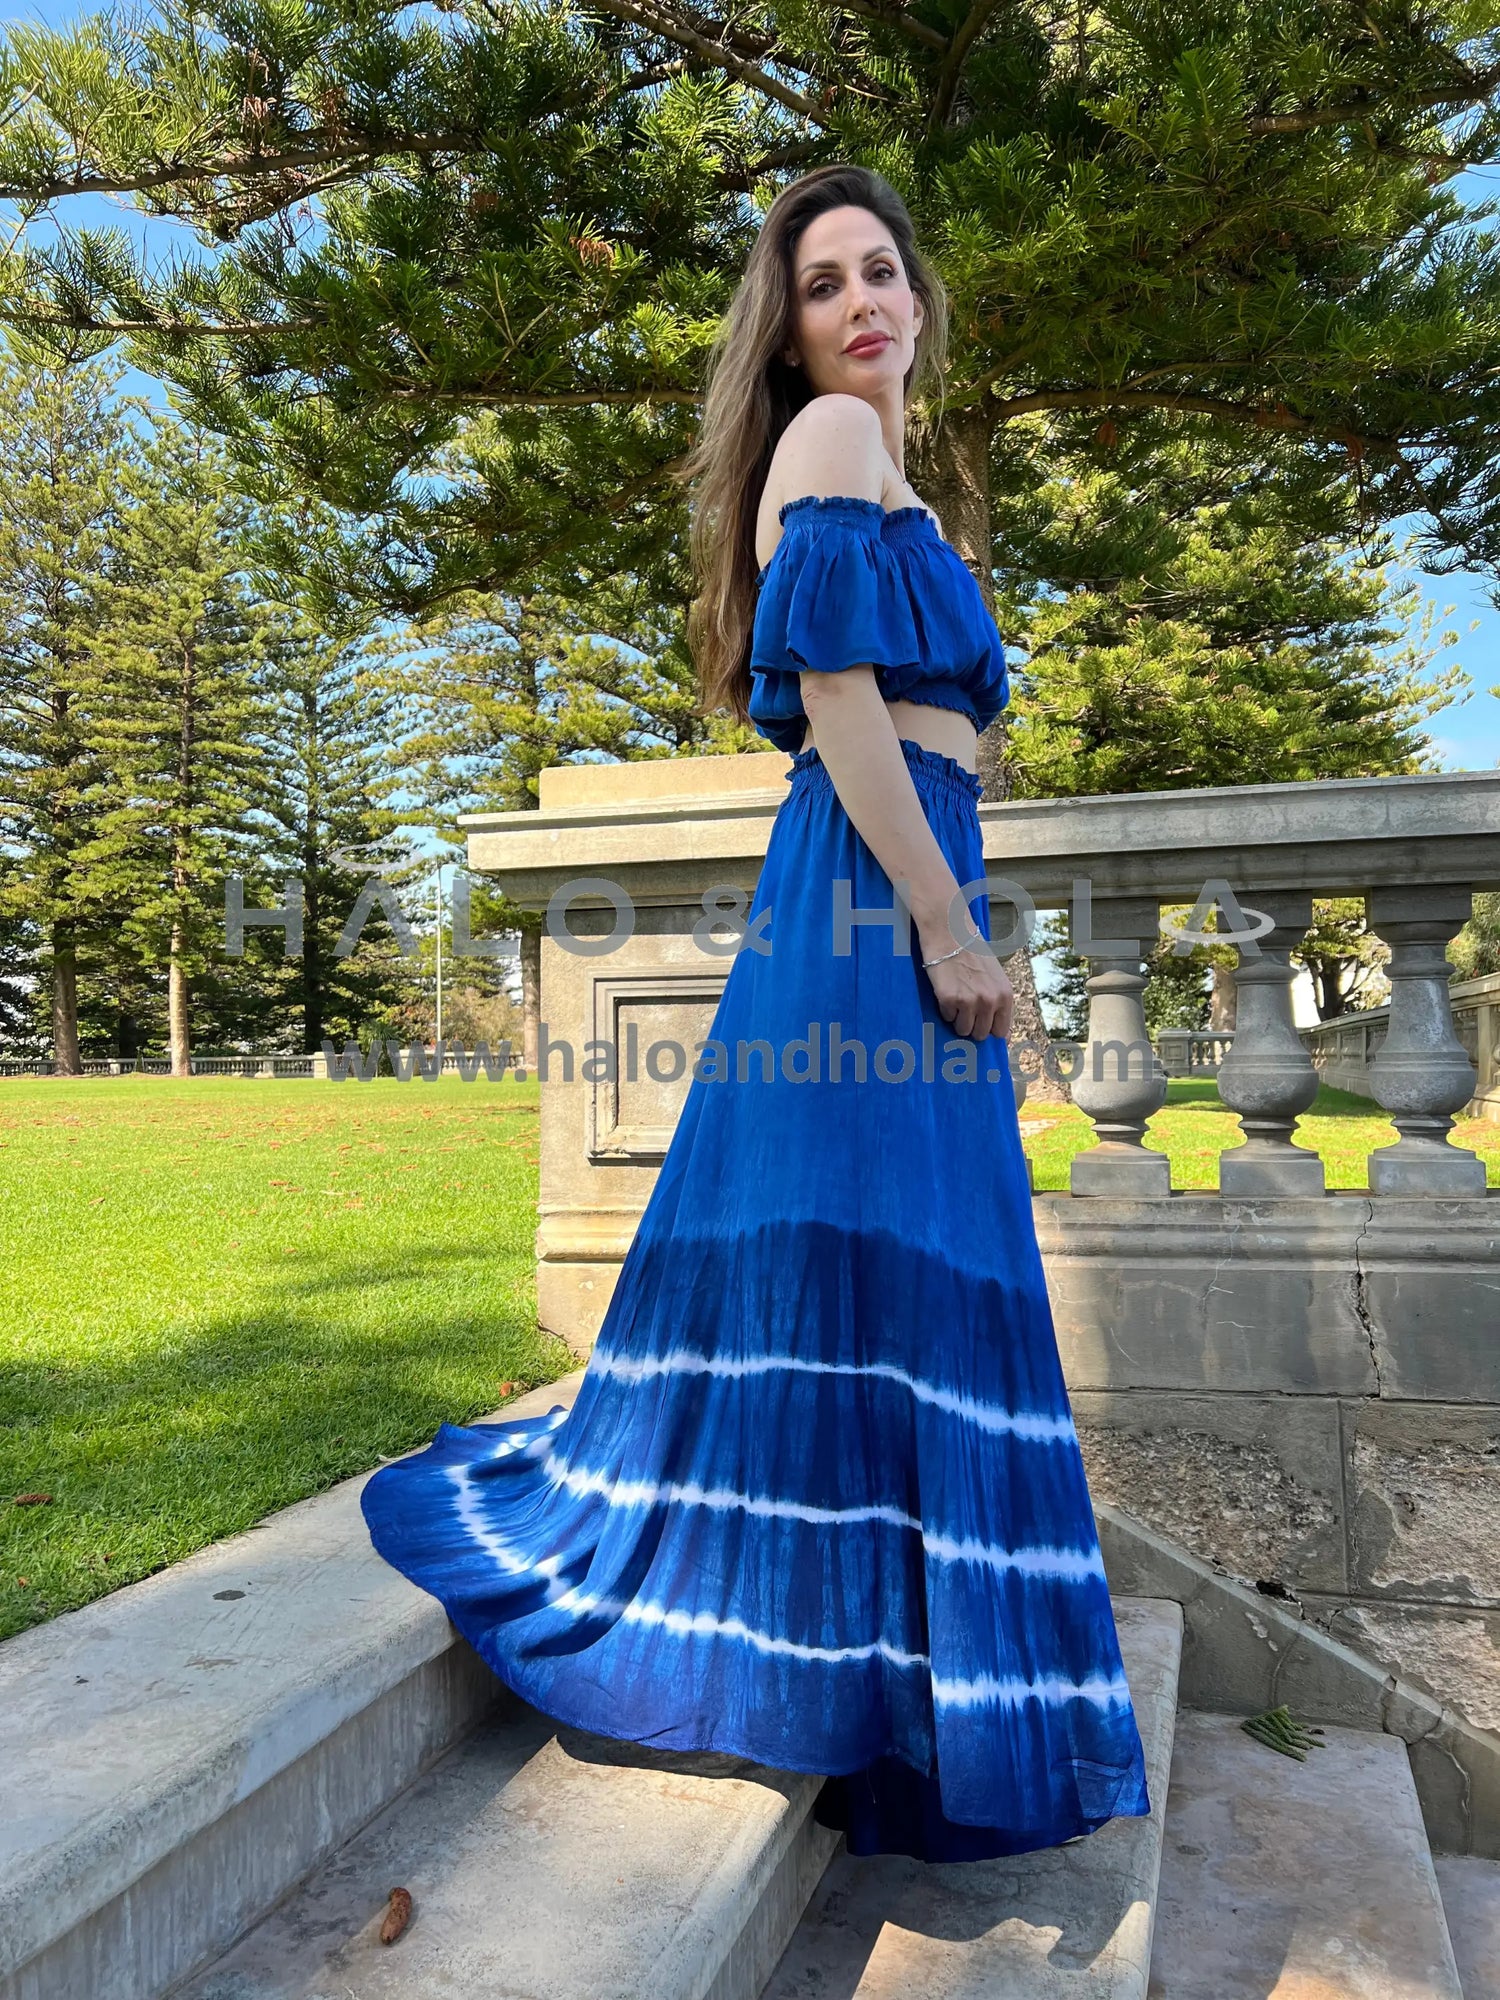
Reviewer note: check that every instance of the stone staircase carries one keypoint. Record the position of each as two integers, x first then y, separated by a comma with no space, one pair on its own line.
212,1780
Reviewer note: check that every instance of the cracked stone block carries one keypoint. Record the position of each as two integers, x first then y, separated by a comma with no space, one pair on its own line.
1196,1294
1452,1654
1426,1517
1251,1483
1432,1297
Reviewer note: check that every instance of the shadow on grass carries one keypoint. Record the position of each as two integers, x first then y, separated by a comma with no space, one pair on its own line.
150,1455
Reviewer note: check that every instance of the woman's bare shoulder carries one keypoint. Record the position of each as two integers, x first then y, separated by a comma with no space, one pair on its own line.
832,446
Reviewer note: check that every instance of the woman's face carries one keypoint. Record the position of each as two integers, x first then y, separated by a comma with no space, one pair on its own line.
855,319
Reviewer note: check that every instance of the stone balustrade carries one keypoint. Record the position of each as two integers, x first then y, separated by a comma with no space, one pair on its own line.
1193,1051
1344,1050
1300,1385
661,833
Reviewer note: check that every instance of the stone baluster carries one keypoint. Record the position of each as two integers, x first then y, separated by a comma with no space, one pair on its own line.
1421,1073
1267,1076
1121,1082
1174,1047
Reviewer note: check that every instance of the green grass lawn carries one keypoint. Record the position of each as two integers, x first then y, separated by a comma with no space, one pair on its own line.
221,1295
1193,1128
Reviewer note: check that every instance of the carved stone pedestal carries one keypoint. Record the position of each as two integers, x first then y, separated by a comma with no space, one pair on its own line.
1421,1073
1268,1076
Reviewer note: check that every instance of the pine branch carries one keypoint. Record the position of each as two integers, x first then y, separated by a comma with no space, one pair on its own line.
1276,417
544,399
322,150
27,313
1474,88
897,17
951,68
670,29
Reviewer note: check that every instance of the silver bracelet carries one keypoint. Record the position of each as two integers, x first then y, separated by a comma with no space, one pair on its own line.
949,954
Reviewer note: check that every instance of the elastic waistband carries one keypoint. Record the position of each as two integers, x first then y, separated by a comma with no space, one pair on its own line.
931,770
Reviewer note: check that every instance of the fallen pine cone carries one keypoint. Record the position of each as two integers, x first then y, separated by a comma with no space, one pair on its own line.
33,1500
397,1916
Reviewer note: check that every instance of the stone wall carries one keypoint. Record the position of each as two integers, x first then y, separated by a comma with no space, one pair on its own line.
1306,1393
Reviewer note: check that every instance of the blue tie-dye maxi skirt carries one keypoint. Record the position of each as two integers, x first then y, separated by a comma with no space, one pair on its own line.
819,1501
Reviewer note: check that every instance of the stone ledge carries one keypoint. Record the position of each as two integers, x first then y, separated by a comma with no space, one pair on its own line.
141,1723
1345,1294
1244,1652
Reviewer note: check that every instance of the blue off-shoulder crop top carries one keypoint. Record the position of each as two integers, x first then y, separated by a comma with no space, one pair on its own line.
852,585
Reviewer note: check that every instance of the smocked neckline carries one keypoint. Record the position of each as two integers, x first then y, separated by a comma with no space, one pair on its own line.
909,522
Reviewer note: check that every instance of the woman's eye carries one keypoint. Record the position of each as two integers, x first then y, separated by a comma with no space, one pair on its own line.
880,270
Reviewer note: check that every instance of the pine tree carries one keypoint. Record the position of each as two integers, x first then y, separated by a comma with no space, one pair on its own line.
177,706
330,738
1181,628
1476,949
20,965
503,686
64,450
503,236
533,217
1344,958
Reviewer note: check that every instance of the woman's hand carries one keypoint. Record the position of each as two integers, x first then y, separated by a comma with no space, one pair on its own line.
972,991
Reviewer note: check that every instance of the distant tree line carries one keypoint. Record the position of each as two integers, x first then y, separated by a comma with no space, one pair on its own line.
173,714
176,709
1219,315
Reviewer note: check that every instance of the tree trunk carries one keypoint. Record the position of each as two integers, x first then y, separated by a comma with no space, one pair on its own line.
312,955
531,996
1328,986
65,1003
1223,1001
177,1008
954,476
177,983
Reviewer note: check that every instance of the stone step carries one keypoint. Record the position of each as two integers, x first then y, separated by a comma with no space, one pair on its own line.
1311,1880
1470,1888
548,1864
1063,1923
177,1755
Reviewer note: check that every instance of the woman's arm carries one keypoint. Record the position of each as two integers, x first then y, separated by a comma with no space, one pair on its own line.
857,742
834,446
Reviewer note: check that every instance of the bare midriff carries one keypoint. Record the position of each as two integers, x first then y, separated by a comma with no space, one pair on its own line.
947,730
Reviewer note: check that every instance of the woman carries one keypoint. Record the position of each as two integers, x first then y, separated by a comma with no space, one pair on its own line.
819,1501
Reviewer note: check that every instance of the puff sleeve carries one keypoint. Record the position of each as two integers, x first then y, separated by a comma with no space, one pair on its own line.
833,595
850,584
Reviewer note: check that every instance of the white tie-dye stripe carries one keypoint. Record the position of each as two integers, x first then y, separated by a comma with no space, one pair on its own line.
1038,1561
579,1603
986,1416
1049,1688
468,1498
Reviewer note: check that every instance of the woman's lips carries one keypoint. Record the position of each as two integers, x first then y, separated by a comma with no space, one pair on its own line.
872,345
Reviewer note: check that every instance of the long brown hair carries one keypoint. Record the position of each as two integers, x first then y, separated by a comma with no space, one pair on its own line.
751,395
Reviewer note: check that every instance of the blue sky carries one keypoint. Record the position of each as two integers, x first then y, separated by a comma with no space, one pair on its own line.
1465,735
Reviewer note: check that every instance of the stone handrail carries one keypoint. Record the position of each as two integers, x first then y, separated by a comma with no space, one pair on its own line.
1344,1047
1193,1051
1415,849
